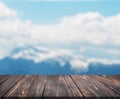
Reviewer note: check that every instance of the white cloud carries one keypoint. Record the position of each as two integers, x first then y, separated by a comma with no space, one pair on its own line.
79,65
5,12
113,51
81,39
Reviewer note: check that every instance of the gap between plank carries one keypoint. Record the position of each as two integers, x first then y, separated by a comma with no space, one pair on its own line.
13,85
77,86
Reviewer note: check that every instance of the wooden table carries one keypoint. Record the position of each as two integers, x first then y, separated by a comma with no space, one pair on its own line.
69,86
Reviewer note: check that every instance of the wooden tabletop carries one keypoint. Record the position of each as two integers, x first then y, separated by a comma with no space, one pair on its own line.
69,86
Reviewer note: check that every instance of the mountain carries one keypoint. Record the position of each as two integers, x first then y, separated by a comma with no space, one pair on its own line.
22,66
28,60
113,69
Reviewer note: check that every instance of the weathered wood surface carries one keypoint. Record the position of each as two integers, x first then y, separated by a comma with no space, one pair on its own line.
75,86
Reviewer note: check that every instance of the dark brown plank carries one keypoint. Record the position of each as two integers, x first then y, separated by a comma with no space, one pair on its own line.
3,76
36,87
74,91
83,86
117,77
102,89
20,89
3,79
112,84
50,89
28,86
92,88
8,84
113,77
62,88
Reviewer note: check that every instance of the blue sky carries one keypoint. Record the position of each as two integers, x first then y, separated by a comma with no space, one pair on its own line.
46,12
78,32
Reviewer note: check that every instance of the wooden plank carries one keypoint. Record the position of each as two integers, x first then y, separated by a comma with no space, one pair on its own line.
74,91
3,79
36,87
83,86
28,86
8,84
50,89
117,77
113,85
91,88
59,86
20,89
3,76
62,88
101,89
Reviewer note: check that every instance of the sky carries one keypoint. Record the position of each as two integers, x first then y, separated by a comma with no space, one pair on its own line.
80,32
47,12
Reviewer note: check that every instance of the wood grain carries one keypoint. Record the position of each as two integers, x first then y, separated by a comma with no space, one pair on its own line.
114,85
69,86
3,78
8,84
